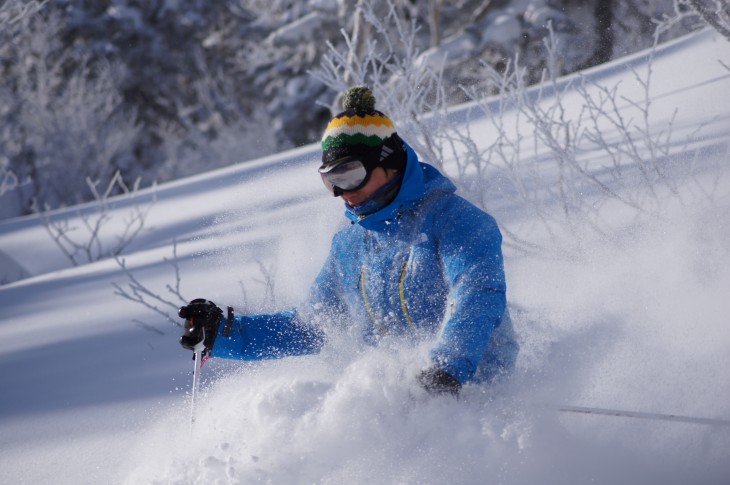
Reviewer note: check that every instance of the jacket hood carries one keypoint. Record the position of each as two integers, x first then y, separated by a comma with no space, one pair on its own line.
419,180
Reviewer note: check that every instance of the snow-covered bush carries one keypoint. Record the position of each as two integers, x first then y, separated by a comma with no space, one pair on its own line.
63,117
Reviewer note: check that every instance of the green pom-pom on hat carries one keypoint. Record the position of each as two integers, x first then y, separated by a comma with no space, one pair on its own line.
359,98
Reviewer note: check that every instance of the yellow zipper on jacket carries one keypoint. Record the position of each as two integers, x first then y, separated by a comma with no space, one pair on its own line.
402,293
381,329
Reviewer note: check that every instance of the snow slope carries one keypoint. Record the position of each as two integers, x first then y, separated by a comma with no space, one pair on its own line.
95,387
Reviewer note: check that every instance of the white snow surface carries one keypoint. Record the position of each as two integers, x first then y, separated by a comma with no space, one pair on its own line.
90,395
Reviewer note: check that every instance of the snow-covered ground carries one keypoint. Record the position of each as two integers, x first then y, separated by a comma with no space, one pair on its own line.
95,388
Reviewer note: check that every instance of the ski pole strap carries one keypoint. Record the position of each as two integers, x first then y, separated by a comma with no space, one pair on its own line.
229,323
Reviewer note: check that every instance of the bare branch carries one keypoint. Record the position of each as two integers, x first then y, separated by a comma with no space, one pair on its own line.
12,11
716,13
90,241
139,293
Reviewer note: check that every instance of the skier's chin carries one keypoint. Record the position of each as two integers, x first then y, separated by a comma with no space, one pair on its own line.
353,199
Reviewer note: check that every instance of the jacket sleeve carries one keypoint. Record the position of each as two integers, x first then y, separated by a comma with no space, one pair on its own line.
288,333
272,336
470,248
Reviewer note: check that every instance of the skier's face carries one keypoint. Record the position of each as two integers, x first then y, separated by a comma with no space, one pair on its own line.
378,178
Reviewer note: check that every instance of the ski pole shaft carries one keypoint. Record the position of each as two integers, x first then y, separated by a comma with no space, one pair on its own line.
197,367
642,415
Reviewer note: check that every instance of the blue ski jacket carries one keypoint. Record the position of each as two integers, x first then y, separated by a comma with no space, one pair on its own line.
428,264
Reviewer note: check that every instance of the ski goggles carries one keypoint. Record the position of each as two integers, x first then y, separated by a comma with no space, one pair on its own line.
345,175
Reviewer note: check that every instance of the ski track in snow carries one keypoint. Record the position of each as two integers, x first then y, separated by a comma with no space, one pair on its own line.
91,397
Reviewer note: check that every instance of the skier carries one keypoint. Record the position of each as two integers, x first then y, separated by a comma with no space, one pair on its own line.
416,260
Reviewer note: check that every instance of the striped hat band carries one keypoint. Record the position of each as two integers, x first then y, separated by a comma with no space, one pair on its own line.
355,132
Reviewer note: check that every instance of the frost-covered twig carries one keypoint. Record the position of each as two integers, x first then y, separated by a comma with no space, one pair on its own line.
167,303
269,274
139,293
715,12
13,11
8,180
87,243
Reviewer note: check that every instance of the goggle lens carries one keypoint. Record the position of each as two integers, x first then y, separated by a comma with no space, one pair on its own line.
345,176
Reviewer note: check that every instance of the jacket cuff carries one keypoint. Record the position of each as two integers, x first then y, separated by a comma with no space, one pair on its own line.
460,368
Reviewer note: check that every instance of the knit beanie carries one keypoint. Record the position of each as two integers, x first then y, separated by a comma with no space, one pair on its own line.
361,129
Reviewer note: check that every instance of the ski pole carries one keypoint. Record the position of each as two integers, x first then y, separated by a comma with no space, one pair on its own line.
642,415
201,317
197,368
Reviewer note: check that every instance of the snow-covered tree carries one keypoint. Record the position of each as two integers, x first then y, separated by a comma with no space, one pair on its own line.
63,117
193,85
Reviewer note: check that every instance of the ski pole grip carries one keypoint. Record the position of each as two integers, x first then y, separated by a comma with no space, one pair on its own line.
229,323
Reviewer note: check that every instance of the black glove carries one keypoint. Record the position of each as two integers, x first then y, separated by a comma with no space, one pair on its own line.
202,319
436,381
